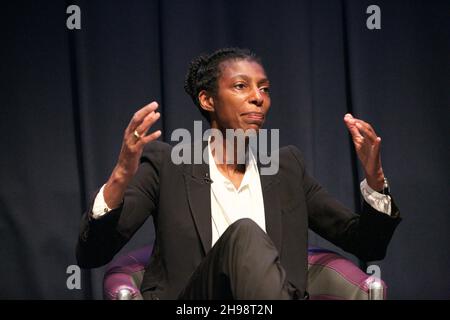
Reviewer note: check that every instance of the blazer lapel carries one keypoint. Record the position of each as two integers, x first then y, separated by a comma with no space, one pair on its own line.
272,207
198,187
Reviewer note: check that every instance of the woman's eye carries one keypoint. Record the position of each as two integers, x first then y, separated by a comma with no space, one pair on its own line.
239,86
265,89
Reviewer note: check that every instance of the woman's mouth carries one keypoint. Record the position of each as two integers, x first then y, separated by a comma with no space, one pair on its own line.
256,116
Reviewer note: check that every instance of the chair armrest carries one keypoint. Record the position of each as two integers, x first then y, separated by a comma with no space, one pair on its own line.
123,275
331,276
121,286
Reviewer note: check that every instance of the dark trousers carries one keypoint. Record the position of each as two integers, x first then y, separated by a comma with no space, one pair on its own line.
243,264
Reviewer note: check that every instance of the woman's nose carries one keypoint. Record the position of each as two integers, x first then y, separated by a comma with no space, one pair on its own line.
256,97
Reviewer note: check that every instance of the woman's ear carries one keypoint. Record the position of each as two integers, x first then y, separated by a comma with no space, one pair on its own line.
206,101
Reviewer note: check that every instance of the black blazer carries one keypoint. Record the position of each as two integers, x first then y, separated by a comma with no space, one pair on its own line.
178,198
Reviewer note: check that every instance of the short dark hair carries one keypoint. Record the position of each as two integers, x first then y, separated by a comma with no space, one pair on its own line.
204,71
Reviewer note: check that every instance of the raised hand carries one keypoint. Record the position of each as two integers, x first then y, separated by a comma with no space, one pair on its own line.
367,145
134,140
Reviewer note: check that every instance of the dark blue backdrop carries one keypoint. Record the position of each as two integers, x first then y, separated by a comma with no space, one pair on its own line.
66,97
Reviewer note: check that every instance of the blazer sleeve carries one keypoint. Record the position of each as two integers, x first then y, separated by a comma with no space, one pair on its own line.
365,235
100,239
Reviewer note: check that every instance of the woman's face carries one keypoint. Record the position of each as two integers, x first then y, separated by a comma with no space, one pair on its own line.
242,99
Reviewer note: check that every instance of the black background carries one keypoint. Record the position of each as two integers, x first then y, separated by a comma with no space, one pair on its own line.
67,95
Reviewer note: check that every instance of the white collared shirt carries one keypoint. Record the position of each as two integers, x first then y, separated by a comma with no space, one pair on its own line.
229,204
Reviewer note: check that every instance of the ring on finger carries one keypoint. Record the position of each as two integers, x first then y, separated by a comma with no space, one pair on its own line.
136,135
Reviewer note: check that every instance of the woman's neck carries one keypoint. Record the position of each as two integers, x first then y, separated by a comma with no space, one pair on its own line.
229,154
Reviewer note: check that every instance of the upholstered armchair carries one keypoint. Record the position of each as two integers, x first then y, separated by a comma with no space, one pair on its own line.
330,276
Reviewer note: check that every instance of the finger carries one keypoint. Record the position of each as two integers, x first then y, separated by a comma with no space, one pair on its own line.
365,128
148,123
351,125
349,120
367,125
366,133
376,147
142,129
150,137
140,115
348,115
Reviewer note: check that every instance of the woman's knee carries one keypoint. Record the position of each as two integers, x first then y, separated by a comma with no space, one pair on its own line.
245,230
246,226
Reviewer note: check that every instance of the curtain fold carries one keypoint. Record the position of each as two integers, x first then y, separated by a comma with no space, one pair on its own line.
67,96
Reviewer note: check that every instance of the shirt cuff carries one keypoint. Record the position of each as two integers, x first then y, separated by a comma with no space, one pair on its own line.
100,207
378,201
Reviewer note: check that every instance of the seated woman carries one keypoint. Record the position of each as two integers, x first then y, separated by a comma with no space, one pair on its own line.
224,230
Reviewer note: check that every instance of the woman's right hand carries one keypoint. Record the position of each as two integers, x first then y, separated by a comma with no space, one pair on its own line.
134,140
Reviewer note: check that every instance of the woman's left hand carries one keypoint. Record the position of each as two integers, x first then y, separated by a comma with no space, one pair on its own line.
367,145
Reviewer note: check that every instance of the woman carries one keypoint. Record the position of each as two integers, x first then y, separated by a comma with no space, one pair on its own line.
223,230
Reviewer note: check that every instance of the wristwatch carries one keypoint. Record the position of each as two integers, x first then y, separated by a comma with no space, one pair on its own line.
386,189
